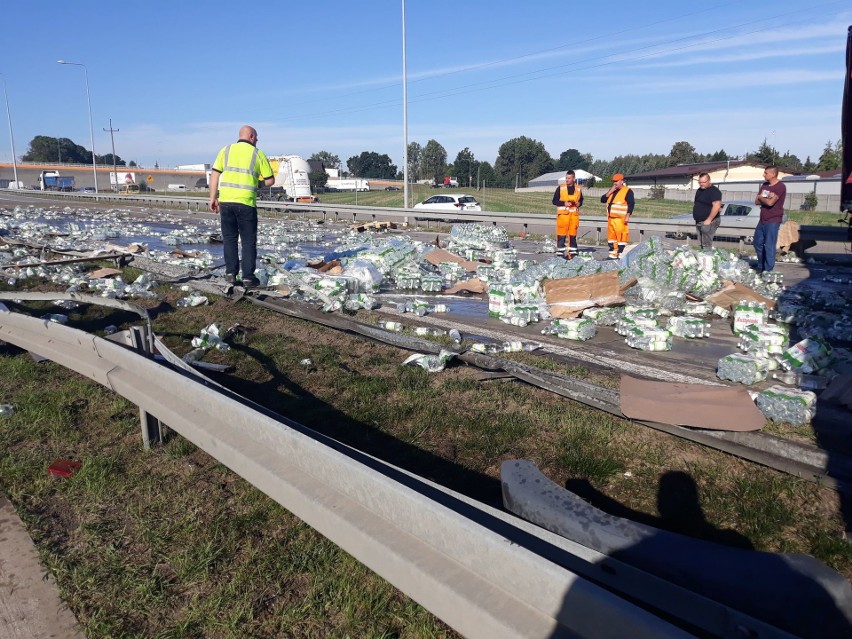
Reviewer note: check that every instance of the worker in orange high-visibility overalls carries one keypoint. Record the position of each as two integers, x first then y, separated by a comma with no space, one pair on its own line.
568,198
619,202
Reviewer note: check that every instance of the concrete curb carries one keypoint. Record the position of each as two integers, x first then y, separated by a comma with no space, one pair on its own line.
30,605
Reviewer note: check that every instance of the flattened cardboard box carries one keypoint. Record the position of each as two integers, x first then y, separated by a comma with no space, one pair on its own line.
570,295
439,255
694,405
734,293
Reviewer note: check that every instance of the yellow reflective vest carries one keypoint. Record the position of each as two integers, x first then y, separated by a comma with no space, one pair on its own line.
241,165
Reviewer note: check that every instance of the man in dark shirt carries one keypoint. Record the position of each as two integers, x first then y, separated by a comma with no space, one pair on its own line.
705,210
771,200
568,198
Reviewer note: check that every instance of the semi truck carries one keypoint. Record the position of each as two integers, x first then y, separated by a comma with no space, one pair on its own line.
348,184
291,174
52,181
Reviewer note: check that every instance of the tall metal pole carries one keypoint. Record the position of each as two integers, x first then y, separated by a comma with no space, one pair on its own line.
11,137
91,128
404,115
112,139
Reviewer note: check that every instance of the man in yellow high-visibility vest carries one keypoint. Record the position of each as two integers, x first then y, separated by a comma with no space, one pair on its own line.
619,202
235,174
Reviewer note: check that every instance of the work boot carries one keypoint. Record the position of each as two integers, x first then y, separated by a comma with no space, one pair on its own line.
250,281
230,278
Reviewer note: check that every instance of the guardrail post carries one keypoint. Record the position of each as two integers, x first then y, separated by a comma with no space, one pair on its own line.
152,429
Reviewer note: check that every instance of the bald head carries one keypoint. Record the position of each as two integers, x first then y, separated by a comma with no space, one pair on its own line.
248,133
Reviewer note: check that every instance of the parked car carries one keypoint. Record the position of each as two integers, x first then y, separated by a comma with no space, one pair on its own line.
87,189
391,188
450,202
743,214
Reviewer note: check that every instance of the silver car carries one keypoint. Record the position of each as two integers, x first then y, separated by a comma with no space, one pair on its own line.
743,214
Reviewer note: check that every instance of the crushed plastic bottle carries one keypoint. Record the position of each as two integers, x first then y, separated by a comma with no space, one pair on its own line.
689,327
578,329
787,405
490,349
747,313
56,318
6,410
807,356
801,380
743,369
649,339
455,336
390,325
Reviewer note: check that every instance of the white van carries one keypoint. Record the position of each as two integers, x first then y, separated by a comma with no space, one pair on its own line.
177,187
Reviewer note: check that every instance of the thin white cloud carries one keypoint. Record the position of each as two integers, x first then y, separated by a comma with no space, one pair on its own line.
745,56
750,79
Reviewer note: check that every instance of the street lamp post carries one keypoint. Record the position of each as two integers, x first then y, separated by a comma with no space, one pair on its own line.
11,137
91,129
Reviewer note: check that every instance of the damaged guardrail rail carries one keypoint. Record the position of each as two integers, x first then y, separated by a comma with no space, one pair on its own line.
484,572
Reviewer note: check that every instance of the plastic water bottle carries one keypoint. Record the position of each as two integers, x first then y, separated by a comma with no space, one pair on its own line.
455,336
787,405
6,410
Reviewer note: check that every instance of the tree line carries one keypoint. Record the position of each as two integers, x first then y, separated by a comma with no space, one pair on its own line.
44,148
521,159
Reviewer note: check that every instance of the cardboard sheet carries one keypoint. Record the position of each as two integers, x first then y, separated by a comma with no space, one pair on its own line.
105,272
439,255
695,405
473,285
733,293
788,235
570,295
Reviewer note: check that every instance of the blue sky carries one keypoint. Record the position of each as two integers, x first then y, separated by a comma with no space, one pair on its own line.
179,78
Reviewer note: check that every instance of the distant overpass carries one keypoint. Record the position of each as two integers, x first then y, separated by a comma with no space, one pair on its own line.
159,178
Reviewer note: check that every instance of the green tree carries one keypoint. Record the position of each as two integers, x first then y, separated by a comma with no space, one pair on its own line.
682,153
486,175
765,154
107,159
520,160
573,159
433,161
329,160
719,156
809,166
317,179
415,153
830,158
371,165
44,148
464,167
790,161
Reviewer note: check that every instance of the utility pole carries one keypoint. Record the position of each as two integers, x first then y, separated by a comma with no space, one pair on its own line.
112,139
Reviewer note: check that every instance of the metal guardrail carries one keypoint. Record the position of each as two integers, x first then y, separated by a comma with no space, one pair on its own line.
514,222
482,571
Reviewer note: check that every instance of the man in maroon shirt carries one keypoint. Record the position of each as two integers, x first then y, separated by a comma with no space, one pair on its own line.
771,200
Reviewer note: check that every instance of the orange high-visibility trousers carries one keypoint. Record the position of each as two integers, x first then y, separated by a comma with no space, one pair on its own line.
567,223
617,234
